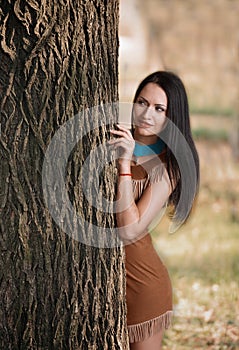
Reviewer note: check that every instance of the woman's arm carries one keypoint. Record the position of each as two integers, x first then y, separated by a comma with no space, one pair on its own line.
133,219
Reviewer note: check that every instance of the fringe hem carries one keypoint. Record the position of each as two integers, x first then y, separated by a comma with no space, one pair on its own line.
142,331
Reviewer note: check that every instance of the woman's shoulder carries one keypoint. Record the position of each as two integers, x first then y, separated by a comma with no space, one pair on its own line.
152,169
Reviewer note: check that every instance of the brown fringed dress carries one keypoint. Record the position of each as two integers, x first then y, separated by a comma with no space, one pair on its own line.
148,286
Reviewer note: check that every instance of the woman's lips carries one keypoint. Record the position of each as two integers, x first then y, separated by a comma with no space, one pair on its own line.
144,125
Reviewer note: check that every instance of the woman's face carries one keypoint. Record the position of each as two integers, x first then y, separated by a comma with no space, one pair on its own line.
149,112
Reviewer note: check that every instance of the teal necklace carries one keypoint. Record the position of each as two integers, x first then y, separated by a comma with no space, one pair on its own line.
146,150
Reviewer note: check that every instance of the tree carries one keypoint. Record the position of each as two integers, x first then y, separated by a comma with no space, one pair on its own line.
57,58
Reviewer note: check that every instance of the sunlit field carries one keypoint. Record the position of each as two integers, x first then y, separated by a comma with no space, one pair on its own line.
203,258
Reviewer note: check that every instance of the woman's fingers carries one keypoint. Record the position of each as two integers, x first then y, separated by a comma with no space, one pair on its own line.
122,132
124,144
120,141
121,127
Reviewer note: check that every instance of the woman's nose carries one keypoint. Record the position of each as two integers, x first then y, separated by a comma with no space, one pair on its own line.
148,112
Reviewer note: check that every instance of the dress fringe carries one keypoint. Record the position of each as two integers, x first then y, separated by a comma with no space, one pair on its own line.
155,175
147,329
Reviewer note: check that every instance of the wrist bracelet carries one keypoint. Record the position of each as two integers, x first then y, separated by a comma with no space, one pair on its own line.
125,174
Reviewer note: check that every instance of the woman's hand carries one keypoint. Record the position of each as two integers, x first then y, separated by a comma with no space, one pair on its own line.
124,143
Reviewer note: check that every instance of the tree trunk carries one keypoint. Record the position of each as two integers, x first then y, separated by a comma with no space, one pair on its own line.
57,291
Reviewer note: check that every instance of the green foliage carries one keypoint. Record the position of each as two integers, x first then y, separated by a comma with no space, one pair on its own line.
213,111
207,134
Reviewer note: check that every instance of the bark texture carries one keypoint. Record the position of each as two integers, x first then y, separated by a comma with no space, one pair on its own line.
57,57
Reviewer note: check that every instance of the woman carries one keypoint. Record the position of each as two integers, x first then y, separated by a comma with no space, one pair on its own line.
155,156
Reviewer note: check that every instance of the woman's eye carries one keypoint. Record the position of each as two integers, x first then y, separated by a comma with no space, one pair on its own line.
141,102
160,109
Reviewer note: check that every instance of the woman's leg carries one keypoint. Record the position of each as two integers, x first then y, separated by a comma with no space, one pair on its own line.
152,343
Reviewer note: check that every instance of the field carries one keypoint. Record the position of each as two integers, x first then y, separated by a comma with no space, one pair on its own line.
203,258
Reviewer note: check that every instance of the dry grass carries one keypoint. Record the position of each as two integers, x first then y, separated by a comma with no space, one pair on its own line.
203,259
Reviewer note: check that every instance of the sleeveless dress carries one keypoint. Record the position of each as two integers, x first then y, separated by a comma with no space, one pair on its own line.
148,286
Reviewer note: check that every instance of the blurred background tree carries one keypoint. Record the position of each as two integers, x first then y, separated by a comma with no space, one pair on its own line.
198,40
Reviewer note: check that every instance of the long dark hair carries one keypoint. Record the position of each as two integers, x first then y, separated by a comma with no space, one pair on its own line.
181,155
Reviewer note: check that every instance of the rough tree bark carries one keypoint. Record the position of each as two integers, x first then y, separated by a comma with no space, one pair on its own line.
57,57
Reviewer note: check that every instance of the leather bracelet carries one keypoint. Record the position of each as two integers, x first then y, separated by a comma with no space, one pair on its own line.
125,174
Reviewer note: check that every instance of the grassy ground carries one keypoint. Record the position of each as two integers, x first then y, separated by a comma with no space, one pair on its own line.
203,259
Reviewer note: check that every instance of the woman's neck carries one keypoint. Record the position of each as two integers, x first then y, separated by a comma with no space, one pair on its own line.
143,152
146,140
